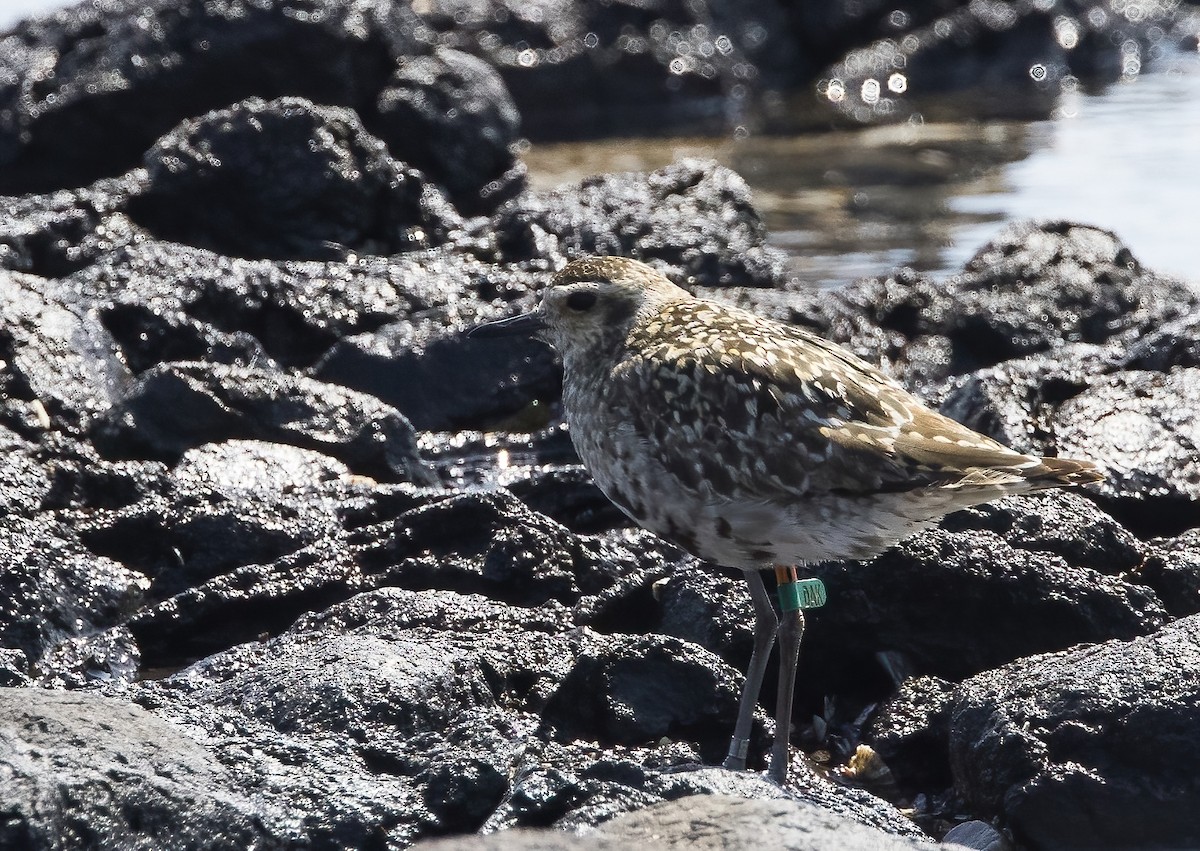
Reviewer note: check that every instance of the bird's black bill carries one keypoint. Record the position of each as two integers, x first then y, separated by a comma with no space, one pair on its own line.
522,324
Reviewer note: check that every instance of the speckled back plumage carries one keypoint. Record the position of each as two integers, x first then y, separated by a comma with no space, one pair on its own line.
749,442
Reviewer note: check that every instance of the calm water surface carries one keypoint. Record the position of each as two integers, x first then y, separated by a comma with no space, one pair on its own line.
849,204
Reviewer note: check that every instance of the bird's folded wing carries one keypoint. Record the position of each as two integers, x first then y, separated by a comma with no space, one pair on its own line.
794,421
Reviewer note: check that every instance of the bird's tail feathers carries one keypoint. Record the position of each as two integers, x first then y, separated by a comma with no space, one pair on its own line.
1036,474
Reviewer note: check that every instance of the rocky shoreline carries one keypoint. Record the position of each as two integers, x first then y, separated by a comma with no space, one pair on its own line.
289,562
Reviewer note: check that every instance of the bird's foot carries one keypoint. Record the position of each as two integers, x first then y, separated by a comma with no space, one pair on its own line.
736,760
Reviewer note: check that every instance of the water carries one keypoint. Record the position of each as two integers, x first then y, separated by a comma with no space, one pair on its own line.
855,203
12,11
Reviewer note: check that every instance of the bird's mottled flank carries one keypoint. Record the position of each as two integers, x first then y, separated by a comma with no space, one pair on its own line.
751,443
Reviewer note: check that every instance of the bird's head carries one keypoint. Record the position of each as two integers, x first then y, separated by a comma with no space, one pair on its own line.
590,306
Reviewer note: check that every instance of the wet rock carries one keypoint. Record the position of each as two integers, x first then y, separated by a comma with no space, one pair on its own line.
978,835
1039,284
175,407
954,604
1062,522
451,116
712,819
104,657
1015,401
392,609
694,215
14,668
61,368
709,607
496,459
56,234
888,320
1139,425
1031,51
80,480
1176,343
633,689
488,544
909,732
24,483
576,786
722,822
287,179
140,782
228,504
164,301
1087,748
1039,287
53,589
441,380
93,86
243,604
415,706
1172,569
1145,426
646,70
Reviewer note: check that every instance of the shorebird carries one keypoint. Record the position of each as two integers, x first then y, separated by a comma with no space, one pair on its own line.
755,444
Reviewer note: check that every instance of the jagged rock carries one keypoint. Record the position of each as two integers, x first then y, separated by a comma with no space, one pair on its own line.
1088,748
61,368
61,232
1145,427
1062,522
24,483
574,787
956,603
910,733
86,771
488,544
1175,343
80,480
451,116
103,657
1172,569
164,301
1038,284
1015,401
1139,425
645,70
415,705
441,380
93,86
635,689
228,504
287,179
694,215
1031,51
1036,287
175,407
53,589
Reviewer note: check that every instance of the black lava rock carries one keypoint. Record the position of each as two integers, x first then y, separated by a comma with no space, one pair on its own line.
1067,746
286,178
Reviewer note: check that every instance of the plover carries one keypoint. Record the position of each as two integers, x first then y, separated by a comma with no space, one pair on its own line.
755,444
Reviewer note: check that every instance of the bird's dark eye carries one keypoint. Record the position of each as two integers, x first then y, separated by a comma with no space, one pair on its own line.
581,300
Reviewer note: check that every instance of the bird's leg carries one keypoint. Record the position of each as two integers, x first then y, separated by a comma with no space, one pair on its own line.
791,630
765,624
